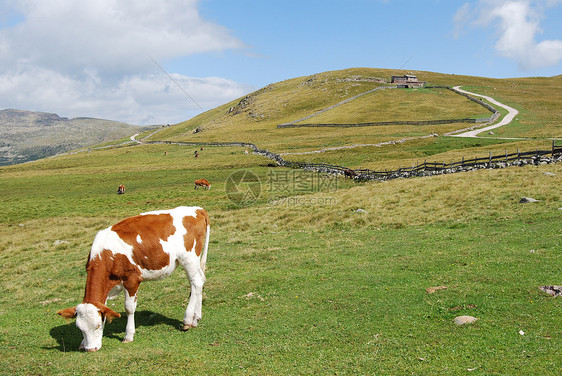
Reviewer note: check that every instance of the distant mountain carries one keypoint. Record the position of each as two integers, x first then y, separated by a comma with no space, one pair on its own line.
27,136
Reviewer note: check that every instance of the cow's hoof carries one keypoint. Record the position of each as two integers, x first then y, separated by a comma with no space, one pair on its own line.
186,327
127,340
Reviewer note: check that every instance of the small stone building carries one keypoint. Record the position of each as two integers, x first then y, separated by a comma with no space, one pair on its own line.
407,81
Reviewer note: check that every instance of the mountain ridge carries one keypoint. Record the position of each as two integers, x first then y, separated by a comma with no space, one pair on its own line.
29,135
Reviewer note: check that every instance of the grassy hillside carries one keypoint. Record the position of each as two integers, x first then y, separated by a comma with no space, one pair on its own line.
299,281
255,117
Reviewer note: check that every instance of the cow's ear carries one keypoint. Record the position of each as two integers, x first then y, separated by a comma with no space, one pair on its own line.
108,313
68,313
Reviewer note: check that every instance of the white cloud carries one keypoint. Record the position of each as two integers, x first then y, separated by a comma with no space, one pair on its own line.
93,58
518,26
460,19
138,99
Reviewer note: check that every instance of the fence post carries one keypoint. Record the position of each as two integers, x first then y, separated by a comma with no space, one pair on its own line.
553,147
490,162
506,156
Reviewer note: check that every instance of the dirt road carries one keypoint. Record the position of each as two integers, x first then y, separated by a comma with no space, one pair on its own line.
512,112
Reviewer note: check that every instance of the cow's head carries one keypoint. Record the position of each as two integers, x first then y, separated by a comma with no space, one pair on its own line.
90,319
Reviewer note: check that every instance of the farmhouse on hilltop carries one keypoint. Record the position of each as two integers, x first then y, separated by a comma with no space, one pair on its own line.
407,81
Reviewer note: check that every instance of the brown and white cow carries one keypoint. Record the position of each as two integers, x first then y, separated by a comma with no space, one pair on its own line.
202,183
146,247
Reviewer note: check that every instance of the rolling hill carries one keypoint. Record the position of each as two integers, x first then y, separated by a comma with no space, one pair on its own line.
255,117
27,135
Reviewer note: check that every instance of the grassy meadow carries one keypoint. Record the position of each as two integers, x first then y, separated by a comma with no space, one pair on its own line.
299,281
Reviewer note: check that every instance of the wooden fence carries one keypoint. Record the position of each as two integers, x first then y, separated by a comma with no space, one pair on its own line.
491,161
418,169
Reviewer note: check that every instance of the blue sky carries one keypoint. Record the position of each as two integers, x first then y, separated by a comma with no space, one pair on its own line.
98,58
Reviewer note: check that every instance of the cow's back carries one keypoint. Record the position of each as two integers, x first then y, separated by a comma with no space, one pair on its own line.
154,241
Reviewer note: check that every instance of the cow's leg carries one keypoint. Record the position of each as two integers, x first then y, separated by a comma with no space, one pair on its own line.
131,288
130,307
197,280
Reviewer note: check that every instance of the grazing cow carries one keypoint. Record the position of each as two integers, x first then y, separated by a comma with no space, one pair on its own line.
146,247
121,189
202,183
348,173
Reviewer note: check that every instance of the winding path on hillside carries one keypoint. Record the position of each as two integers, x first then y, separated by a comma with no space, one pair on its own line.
512,112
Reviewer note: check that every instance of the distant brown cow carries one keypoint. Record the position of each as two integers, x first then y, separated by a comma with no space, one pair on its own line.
348,173
203,183
121,189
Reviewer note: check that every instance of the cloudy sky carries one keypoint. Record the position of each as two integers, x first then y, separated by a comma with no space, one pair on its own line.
146,62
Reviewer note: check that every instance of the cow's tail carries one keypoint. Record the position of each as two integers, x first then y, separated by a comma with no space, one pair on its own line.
206,246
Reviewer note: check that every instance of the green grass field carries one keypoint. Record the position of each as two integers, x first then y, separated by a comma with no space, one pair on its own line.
299,281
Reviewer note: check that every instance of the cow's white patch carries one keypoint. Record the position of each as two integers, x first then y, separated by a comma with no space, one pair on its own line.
139,239
108,239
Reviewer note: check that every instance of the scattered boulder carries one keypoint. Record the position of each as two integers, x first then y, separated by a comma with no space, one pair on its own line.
552,290
525,200
59,242
461,320
361,211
